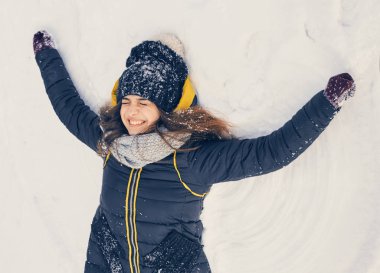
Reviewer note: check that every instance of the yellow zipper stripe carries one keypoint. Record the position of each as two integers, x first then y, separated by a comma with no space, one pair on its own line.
107,157
183,183
134,221
126,220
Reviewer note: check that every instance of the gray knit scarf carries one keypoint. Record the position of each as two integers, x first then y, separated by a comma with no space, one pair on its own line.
139,150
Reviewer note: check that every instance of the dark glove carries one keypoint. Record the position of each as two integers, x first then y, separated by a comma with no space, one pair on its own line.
42,40
175,254
339,89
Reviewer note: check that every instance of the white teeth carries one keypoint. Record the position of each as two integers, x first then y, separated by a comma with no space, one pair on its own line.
136,122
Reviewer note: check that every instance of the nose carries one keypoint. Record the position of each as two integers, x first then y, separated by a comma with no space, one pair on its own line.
133,110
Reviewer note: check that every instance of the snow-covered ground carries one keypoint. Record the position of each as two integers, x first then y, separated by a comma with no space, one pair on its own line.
254,63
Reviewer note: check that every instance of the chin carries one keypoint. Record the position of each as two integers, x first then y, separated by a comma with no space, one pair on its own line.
132,133
136,132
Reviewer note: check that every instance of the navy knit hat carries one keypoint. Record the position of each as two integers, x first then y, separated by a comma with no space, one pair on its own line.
158,73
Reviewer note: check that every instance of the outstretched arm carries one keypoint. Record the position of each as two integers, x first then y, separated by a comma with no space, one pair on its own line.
230,160
70,108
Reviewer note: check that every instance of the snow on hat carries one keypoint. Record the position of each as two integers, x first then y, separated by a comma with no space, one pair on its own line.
156,70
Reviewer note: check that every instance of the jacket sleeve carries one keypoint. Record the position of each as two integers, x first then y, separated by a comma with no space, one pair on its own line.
235,159
78,118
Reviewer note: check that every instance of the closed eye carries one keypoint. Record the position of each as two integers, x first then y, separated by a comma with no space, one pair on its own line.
127,102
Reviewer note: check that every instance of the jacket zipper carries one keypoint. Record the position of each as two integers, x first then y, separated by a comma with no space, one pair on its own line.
130,220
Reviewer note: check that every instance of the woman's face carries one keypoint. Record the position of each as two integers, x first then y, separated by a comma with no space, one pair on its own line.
138,114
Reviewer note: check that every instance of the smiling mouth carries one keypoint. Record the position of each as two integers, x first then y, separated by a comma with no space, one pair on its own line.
135,123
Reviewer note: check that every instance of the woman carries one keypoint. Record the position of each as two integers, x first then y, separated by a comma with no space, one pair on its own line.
162,153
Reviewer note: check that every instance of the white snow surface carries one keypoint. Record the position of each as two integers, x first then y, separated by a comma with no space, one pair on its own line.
254,63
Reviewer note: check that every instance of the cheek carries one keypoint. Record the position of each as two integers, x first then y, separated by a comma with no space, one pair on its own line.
123,111
154,115
149,119
122,114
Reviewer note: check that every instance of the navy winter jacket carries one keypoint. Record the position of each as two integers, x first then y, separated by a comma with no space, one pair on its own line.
141,208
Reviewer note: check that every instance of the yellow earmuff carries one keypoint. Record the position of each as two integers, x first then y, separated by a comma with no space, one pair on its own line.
187,98
114,93
188,95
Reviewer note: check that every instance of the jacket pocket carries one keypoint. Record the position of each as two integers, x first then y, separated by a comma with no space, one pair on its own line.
175,254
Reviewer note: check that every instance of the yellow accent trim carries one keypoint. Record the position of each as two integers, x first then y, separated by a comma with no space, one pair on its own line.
114,93
134,221
183,183
188,94
126,221
107,157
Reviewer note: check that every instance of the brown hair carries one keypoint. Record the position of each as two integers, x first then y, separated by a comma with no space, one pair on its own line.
195,120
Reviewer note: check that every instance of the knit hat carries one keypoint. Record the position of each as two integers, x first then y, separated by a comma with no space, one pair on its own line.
156,70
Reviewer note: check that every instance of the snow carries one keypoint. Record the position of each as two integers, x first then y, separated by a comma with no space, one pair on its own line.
254,63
